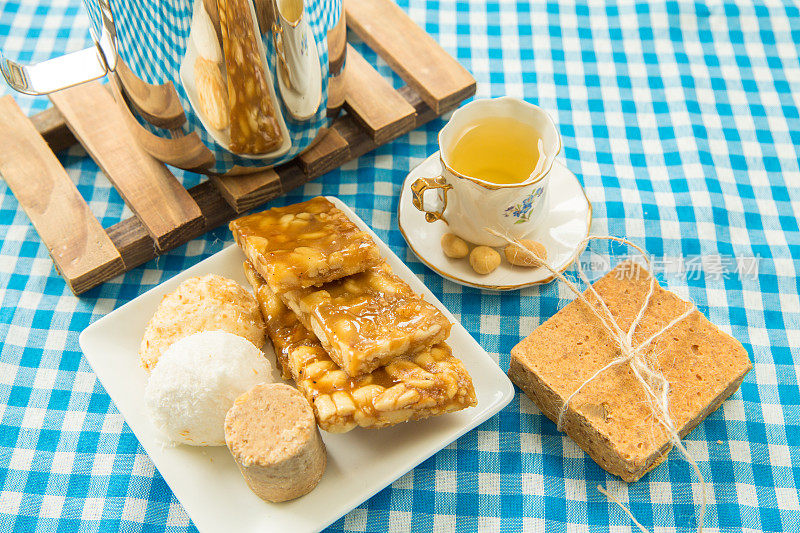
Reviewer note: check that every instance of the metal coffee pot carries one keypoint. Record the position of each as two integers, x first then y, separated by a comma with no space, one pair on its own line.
246,84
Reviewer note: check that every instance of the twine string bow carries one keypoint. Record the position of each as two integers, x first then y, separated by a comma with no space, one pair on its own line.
652,380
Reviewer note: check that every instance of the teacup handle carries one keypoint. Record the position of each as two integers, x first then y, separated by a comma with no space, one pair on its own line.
418,189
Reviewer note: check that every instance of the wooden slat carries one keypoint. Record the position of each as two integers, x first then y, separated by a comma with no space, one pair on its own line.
50,125
187,152
327,153
337,48
79,246
424,65
136,246
372,100
158,104
148,187
245,191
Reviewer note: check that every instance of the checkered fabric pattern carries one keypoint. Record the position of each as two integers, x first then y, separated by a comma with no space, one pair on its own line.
681,120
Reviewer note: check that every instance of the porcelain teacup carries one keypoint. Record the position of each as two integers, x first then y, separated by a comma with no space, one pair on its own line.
469,205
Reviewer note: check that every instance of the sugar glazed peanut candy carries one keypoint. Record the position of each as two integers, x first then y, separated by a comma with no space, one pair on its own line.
305,244
253,120
429,383
367,319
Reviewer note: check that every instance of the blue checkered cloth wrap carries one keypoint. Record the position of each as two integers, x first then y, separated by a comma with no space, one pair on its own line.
681,120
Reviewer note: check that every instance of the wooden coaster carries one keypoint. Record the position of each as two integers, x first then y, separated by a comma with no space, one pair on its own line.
165,214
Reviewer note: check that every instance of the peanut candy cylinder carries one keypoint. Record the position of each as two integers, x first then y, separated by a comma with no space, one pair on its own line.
271,433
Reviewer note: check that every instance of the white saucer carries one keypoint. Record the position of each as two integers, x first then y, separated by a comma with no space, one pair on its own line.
566,225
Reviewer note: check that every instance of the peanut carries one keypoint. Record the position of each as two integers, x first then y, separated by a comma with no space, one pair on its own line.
301,356
310,259
318,368
325,406
344,329
424,358
388,400
516,255
336,260
352,287
344,403
484,260
383,284
454,246
407,398
365,394
298,223
257,243
311,235
333,379
316,298
419,383
399,366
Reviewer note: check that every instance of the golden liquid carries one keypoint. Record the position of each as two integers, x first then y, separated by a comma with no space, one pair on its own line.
497,150
291,10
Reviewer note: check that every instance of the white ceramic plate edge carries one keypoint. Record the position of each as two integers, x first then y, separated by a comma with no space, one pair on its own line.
488,405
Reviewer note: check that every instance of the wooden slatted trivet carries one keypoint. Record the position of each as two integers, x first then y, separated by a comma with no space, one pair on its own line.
165,214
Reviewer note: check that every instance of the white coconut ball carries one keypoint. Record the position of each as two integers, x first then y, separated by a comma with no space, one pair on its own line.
196,381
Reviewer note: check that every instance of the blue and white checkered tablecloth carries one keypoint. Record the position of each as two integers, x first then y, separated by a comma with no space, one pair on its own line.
681,120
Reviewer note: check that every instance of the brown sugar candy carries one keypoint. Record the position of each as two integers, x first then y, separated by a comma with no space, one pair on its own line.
610,418
367,319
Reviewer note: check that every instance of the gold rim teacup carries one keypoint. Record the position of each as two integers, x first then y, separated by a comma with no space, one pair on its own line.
468,205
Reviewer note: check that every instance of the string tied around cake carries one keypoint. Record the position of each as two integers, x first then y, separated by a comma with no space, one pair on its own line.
652,380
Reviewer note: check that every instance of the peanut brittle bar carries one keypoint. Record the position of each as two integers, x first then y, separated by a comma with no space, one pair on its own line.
429,383
305,244
367,319
253,121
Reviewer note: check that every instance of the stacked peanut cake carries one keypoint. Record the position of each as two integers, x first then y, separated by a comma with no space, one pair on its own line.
610,417
363,348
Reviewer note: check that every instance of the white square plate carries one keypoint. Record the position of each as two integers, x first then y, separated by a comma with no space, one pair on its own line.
207,481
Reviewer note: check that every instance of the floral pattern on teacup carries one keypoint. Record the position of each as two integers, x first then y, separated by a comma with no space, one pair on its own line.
522,211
